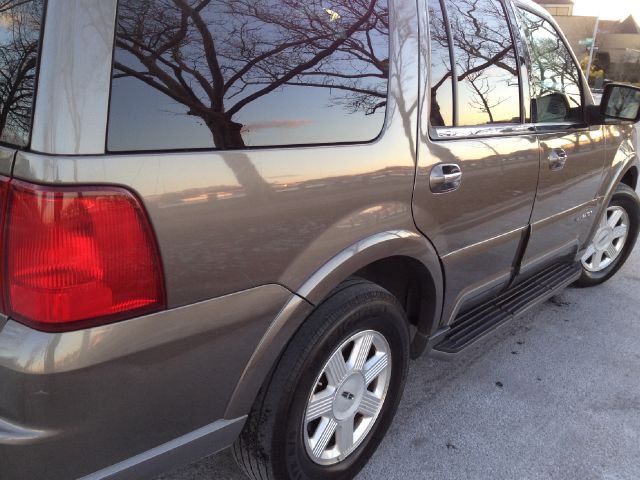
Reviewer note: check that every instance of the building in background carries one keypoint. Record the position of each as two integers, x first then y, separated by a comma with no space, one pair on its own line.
617,42
558,8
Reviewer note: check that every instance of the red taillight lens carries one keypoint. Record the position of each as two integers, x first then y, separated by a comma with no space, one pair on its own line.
78,255
4,189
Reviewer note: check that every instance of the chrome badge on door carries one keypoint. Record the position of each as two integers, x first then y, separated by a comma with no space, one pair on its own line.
585,215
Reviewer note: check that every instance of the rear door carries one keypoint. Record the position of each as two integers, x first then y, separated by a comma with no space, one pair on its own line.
478,158
571,154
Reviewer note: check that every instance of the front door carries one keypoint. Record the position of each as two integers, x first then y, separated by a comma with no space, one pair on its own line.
572,154
478,159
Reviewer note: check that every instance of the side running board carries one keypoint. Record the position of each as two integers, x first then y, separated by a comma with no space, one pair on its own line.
471,325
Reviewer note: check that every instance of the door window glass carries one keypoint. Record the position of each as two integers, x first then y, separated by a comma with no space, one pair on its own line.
441,75
485,61
556,95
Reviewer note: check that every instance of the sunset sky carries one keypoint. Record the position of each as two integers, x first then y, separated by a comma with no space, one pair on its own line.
609,9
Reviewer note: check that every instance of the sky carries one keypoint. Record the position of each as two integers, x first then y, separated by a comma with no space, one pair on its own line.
609,9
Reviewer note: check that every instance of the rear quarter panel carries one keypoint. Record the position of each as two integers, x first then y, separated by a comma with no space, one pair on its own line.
228,221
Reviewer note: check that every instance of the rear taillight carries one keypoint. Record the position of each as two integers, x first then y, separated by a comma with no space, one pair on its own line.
76,257
4,189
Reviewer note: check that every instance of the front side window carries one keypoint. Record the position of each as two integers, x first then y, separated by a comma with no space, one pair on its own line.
556,94
485,62
229,74
20,26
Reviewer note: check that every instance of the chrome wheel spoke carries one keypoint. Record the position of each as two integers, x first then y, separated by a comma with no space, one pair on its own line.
336,369
589,253
614,217
344,435
597,260
320,406
361,351
325,431
620,231
374,367
370,405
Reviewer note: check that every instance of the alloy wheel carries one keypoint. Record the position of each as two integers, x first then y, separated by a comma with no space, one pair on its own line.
347,397
608,241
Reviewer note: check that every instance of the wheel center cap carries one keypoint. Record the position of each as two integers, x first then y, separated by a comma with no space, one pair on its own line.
603,239
348,397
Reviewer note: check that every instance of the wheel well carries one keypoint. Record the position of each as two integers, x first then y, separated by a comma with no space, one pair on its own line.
630,178
410,282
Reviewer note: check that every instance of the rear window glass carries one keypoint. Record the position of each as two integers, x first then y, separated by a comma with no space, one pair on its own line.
20,26
234,74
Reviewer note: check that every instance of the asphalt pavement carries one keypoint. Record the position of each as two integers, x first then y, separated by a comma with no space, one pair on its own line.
555,394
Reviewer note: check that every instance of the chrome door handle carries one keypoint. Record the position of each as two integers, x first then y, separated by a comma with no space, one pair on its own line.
557,159
445,177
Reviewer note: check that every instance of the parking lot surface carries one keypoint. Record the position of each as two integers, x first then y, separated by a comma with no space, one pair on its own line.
553,395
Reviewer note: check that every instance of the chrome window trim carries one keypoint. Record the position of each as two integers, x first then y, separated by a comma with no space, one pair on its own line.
570,127
482,131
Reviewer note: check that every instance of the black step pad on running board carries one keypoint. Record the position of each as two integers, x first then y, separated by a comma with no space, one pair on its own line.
473,324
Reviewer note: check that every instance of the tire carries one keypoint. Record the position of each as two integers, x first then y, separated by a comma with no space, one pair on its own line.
624,199
273,444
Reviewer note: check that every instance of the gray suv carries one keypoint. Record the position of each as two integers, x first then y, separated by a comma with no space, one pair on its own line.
233,222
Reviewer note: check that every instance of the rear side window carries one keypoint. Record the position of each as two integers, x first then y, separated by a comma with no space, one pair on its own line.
20,26
556,95
234,74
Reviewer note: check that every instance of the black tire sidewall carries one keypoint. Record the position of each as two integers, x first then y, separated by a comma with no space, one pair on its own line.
626,198
289,453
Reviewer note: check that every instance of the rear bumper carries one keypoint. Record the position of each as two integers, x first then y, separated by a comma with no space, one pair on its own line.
130,399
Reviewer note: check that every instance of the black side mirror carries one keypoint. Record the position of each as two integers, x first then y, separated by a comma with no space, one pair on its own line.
621,102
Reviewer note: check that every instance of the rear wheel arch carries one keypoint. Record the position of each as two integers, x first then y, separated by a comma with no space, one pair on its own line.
398,252
412,283
394,260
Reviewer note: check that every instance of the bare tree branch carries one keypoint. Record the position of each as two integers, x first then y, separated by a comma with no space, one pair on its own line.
21,22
